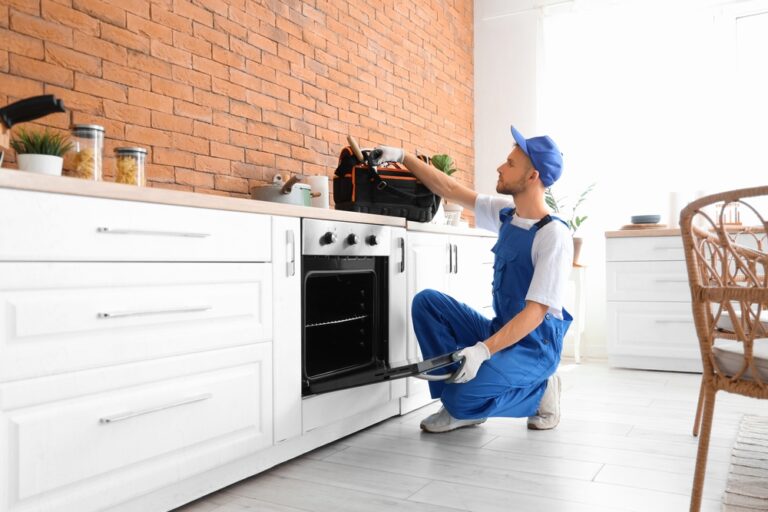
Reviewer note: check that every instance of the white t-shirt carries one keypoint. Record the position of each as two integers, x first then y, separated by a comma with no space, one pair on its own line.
551,253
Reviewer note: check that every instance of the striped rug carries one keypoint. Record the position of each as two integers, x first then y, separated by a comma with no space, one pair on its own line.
747,485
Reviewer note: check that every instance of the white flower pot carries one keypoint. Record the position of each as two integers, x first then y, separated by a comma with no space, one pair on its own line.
41,164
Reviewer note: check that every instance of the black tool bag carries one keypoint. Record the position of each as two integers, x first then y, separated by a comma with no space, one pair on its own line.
387,190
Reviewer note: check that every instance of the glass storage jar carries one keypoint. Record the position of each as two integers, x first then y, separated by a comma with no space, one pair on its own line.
87,148
129,165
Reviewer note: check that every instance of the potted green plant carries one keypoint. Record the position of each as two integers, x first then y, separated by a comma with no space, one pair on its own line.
574,221
445,163
40,151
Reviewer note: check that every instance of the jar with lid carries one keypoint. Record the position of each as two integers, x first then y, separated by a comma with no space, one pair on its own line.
87,148
129,165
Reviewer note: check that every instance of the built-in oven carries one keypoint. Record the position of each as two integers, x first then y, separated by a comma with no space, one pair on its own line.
352,283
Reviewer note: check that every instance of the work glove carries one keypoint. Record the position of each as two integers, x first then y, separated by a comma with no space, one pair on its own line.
387,154
475,355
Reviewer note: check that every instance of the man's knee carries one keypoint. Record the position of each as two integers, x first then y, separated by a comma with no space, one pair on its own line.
425,299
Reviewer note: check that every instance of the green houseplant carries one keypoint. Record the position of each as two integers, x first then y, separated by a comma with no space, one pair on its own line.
40,151
559,206
445,163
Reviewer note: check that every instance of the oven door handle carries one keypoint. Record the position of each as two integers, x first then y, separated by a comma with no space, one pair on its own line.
440,362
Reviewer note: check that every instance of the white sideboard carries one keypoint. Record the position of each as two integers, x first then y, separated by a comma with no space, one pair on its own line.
650,324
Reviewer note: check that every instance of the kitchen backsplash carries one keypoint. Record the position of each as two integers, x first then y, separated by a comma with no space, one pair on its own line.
224,93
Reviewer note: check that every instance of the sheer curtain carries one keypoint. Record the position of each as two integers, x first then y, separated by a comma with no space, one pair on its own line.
650,98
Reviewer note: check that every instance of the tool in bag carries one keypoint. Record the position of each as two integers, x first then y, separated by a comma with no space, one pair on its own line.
361,186
419,370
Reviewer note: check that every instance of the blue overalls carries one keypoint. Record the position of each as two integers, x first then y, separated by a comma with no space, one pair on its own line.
512,382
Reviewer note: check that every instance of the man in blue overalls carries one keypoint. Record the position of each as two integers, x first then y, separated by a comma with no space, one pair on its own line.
510,360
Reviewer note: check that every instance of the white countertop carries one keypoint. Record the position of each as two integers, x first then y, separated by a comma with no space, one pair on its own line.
20,180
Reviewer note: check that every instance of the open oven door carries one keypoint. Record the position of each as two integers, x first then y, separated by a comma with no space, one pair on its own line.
419,370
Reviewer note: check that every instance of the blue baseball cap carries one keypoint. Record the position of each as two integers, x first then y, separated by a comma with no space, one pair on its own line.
544,154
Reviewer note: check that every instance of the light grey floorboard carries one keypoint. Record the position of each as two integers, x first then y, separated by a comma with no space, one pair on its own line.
624,444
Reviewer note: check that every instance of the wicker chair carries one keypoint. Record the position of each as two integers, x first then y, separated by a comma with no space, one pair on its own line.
727,272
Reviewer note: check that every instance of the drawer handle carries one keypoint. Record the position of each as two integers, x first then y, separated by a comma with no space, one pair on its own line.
132,414
112,231
123,314
674,321
672,280
667,248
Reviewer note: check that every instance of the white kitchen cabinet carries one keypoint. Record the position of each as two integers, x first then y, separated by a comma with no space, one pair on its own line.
459,265
650,324
136,348
286,266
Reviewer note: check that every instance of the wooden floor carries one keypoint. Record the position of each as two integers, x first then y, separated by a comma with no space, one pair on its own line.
624,443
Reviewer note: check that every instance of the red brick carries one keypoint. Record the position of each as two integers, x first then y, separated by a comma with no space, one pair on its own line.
70,59
21,87
21,44
173,157
188,10
212,164
193,178
231,184
247,171
217,102
159,173
194,78
227,151
41,29
276,63
150,100
103,10
125,38
209,67
244,79
302,101
166,18
290,110
263,43
4,16
127,113
228,58
147,136
191,110
288,164
247,111
234,91
4,64
171,88
245,50
39,70
244,140
259,70
210,132
290,136
122,75
192,44
149,29
168,53
77,101
64,15
106,50
172,123
155,66
225,25
27,6
275,147
197,145
275,119
100,88
260,158
211,35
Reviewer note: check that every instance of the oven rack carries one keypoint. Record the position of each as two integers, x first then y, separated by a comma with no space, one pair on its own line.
342,321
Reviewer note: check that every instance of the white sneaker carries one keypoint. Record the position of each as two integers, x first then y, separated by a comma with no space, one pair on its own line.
442,421
548,415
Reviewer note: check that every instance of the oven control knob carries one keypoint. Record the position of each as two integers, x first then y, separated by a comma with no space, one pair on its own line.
328,238
352,239
371,240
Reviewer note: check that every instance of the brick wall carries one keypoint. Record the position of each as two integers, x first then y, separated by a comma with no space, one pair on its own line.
225,92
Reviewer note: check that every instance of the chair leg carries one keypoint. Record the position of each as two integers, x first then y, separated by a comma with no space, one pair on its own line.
697,419
701,455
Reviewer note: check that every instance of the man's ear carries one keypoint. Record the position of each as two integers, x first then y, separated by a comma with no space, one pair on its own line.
534,175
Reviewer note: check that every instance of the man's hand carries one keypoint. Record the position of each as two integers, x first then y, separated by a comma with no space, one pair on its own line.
387,154
475,356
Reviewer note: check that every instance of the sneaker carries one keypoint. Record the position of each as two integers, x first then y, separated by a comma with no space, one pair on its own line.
548,415
442,421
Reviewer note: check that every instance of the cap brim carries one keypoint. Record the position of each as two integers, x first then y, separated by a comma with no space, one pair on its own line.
519,139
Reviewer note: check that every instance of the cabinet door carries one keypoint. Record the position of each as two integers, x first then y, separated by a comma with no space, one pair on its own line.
472,276
286,265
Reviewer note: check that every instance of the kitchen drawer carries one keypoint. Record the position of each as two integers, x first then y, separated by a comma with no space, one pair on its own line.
38,226
651,335
59,317
67,453
648,248
647,281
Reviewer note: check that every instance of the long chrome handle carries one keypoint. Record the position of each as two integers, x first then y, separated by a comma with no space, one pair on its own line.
402,255
674,321
290,253
132,414
455,258
114,231
123,314
672,280
667,248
